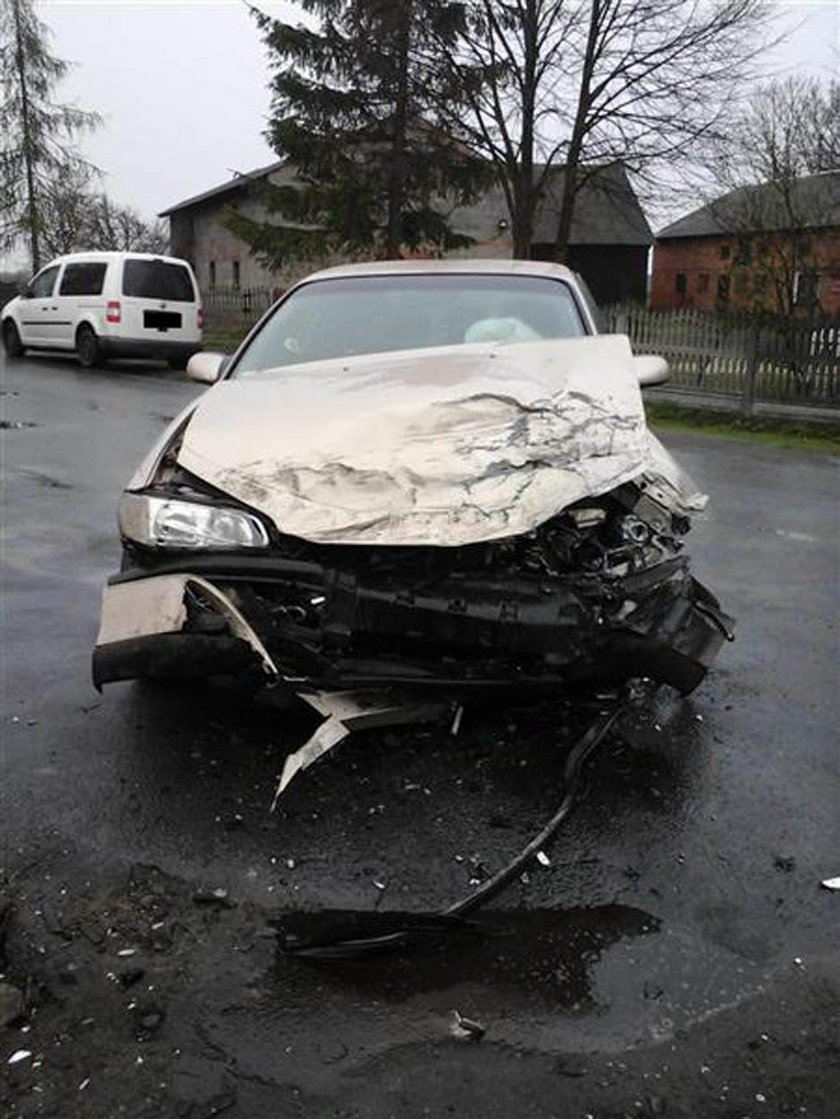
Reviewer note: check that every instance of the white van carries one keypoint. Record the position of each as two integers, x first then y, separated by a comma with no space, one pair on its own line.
109,304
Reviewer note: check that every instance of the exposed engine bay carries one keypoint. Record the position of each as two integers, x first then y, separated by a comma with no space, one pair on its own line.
598,589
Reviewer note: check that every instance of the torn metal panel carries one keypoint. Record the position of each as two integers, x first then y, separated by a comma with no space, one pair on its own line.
470,443
346,712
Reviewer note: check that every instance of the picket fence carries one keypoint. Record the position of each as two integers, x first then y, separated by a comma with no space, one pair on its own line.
747,358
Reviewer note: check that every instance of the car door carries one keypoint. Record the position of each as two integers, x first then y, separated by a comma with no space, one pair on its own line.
39,310
79,298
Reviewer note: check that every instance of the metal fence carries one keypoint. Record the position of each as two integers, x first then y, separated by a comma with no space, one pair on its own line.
745,357
230,309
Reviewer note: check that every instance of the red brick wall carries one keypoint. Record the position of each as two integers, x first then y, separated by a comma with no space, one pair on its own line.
706,261
694,258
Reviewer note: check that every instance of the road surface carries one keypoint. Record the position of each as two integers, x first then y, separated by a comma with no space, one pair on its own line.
678,957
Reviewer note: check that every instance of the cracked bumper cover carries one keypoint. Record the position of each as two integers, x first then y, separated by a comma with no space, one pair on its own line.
463,636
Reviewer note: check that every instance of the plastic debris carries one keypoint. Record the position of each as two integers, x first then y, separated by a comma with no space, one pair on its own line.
345,712
20,1055
465,1029
831,883
543,859
84,1084
127,952
456,721
216,897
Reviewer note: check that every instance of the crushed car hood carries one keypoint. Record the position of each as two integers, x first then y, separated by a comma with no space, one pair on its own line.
445,446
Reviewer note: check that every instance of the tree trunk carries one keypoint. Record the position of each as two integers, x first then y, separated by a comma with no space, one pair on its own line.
570,179
396,186
31,200
524,194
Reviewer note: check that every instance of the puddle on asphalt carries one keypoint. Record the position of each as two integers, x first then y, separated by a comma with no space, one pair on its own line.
546,955
577,980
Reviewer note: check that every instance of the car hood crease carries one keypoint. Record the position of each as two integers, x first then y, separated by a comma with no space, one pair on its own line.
446,446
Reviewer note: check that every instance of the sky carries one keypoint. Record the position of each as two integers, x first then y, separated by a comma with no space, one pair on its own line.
182,85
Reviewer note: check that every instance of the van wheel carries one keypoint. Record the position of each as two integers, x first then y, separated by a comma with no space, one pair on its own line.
11,340
87,347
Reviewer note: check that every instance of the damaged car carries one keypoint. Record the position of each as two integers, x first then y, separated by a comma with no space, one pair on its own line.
419,475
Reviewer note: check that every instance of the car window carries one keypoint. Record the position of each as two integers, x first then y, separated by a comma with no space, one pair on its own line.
158,279
84,278
375,314
43,284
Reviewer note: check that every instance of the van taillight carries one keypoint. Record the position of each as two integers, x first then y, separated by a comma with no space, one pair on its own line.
112,310
199,318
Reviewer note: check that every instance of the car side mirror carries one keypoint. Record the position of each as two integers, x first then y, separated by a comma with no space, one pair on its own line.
25,291
651,369
206,367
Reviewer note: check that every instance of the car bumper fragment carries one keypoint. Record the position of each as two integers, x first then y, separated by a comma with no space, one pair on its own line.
141,633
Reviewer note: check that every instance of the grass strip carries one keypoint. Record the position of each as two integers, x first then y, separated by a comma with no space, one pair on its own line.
771,430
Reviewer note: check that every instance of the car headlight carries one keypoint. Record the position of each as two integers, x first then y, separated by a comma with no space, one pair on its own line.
163,522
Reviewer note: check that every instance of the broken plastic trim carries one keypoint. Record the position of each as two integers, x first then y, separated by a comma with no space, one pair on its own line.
411,929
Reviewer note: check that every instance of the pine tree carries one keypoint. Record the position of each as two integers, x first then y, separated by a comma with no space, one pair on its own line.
354,111
36,146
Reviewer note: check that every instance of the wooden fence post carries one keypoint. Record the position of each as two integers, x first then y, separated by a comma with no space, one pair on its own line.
748,393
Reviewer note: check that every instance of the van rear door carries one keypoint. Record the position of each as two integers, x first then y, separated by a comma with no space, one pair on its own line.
158,301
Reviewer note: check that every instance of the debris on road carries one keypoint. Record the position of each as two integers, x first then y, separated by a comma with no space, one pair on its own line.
20,1055
11,1004
345,712
831,883
397,930
217,897
465,1029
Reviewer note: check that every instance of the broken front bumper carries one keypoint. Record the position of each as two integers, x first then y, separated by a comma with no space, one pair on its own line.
313,627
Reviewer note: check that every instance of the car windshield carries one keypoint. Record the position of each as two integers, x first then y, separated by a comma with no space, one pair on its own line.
374,314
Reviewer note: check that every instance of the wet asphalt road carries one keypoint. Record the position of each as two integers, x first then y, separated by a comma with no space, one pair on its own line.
677,958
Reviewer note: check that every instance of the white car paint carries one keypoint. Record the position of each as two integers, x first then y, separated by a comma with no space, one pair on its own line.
443,446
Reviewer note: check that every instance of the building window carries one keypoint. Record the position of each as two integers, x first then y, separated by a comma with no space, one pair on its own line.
681,283
744,254
805,288
702,282
212,274
723,290
236,275
725,251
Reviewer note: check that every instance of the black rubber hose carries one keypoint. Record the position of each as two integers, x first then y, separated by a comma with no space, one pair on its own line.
591,738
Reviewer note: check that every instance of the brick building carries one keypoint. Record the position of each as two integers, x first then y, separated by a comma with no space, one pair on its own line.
609,244
773,247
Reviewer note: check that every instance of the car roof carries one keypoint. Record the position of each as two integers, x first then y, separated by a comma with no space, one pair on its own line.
486,265
108,255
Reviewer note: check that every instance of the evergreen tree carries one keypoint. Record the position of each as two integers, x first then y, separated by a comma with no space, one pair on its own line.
355,112
36,145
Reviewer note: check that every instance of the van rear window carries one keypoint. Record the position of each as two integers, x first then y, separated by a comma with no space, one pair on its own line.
157,279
